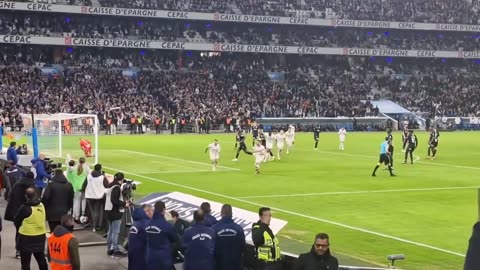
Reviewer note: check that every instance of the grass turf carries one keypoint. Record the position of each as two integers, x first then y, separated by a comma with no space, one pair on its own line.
331,190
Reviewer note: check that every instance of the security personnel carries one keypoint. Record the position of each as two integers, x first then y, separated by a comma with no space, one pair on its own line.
137,238
157,125
161,236
30,223
63,253
198,243
266,244
230,242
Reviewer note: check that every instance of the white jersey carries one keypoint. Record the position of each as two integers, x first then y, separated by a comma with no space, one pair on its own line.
214,150
270,140
342,133
289,135
292,128
259,153
280,140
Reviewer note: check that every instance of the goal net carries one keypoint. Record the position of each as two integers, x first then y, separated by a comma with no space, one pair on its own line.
60,135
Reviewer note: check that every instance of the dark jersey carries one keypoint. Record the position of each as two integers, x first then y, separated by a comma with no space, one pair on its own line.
412,141
390,137
390,149
255,132
316,133
405,135
240,138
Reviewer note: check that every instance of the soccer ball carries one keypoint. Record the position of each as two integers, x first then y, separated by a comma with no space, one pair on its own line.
83,219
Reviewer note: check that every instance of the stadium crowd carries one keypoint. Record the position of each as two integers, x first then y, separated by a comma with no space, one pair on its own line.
167,30
223,86
437,11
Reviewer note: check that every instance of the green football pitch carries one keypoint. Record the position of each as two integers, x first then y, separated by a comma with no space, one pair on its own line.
426,212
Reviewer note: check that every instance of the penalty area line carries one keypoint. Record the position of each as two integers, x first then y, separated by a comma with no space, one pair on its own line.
293,213
178,159
358,192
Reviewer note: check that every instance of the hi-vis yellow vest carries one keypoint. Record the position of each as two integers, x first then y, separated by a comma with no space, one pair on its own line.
34,224
270,250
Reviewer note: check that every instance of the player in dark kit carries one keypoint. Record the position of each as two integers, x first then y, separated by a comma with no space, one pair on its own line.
390,147
390,136
384,157
433,143
316,136
412,143
254,133
404,139
261,137
241,145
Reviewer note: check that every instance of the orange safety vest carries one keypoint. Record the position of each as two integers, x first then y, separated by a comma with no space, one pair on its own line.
157,121
183,121
109,121
133,120
58,250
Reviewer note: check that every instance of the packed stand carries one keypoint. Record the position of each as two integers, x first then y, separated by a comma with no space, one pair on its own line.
168,30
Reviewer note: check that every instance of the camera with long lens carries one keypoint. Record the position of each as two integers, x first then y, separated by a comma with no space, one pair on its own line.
128,189
50,167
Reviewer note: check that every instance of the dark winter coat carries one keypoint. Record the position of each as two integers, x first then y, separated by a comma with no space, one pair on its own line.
27,243
17,197
229,245
137,241
313,261
210,220
472,259
161,238
199,244
58,198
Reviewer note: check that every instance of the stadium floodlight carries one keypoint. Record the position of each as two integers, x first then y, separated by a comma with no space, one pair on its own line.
395,257
59,134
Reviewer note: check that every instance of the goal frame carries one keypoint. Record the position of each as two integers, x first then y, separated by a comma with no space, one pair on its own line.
64,116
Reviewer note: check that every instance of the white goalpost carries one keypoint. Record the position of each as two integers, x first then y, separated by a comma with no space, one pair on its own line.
59,134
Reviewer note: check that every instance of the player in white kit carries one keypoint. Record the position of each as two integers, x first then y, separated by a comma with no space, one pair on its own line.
214,149
342,134
280,137
259,153
270,140
292,127
289,138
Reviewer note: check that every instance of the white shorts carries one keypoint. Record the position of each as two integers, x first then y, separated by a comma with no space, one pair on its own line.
289,142
280,146
259,159
269,146
214,157
342,139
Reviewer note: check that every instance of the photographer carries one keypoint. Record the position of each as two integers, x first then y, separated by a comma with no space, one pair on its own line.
95,194
41,173
114,208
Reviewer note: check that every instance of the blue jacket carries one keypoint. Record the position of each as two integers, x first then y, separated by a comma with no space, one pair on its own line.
41,173
198,243
137,241
210,220
12,155
160,239
229,245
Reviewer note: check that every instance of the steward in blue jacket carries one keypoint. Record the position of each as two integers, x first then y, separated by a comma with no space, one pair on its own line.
161,236
229,243
198,243
12,153
137,238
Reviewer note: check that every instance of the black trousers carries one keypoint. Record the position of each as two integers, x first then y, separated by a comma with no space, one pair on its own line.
26,257
53,224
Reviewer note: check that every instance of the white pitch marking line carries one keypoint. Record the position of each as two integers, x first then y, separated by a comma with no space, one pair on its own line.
296,214
372,157
358,192
187,171
178,159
